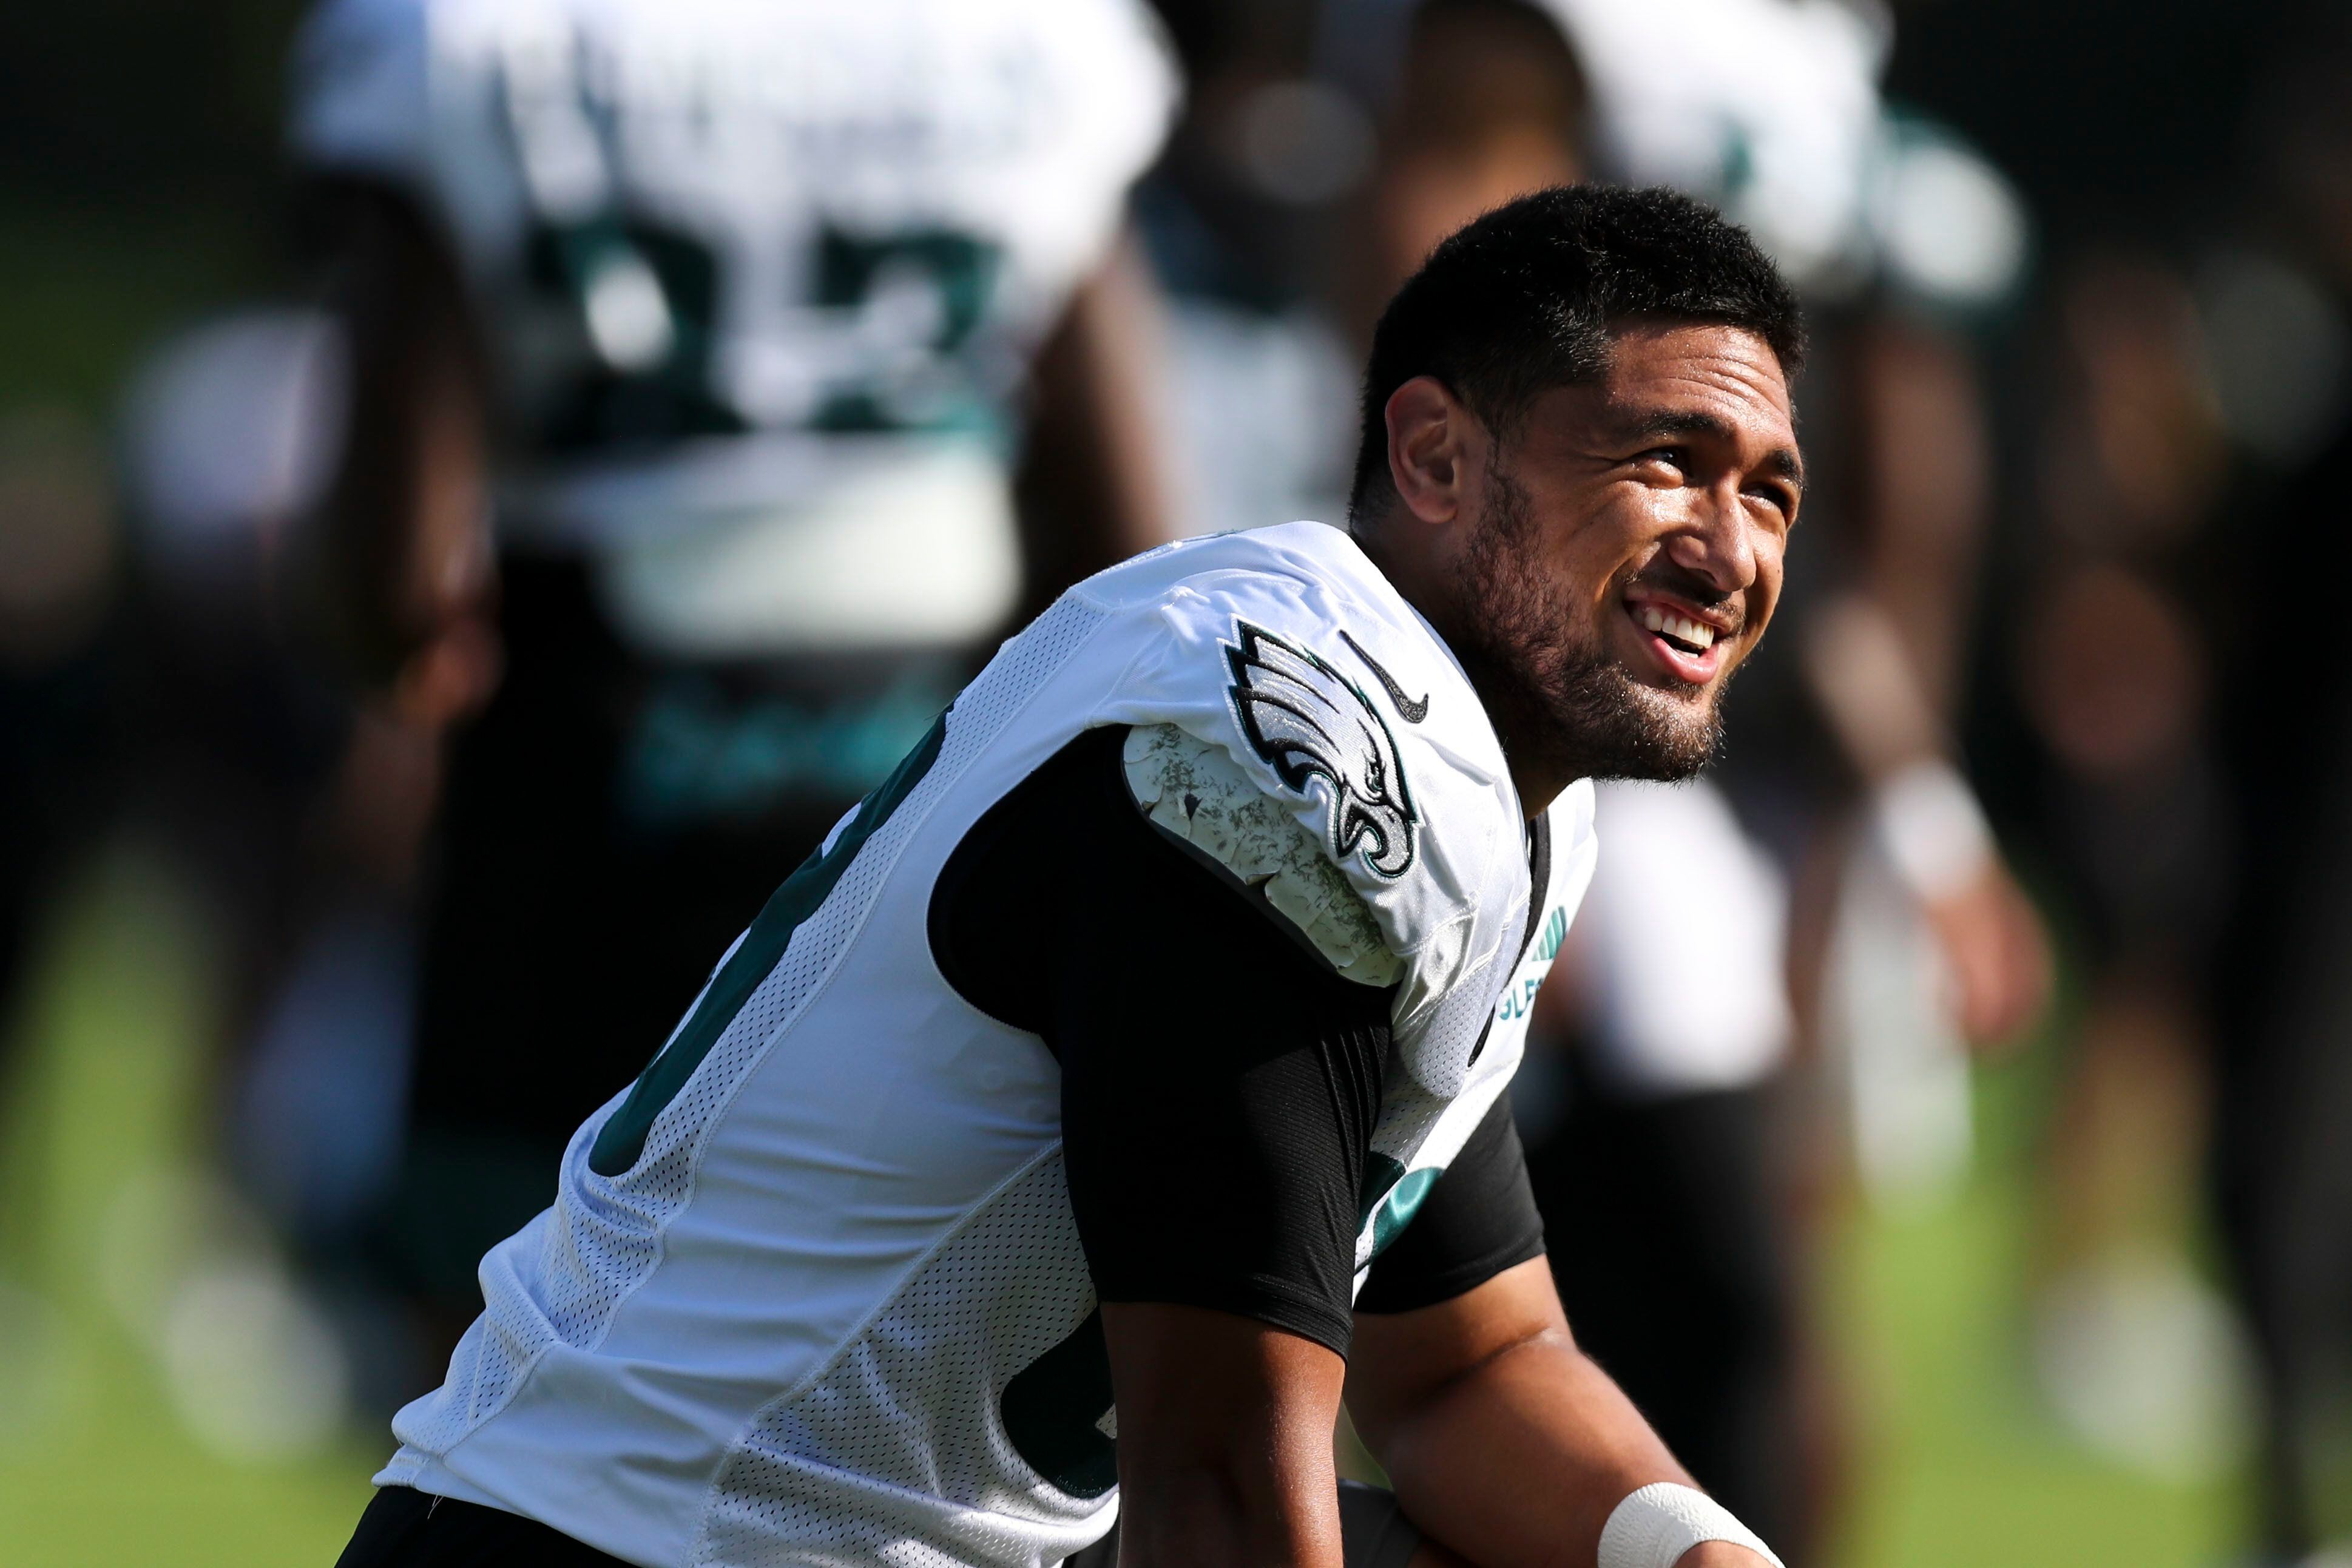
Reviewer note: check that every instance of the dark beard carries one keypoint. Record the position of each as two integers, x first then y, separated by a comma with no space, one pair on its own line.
1552,698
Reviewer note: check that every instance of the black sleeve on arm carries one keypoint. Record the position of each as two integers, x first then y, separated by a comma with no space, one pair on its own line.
1218,1085
1479,1219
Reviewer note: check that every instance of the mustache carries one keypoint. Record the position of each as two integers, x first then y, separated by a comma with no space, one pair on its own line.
1678,582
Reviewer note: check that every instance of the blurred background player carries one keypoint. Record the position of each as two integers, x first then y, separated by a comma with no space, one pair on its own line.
2275,306
695,350
2182,417
296,816
61,662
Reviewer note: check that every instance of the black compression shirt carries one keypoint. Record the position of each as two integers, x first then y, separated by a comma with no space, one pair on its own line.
1219,1085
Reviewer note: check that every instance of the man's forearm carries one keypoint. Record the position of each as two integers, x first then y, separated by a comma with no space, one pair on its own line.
1461,1460
1253,1516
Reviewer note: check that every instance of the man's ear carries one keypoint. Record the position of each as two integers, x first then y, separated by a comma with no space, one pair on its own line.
1431,435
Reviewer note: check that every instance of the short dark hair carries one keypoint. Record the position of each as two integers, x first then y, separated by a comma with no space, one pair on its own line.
1525,298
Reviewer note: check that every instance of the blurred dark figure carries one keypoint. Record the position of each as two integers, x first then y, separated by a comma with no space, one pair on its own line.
2113,669
693,351
294,818
227,436
60,670
2186,387
2282,1161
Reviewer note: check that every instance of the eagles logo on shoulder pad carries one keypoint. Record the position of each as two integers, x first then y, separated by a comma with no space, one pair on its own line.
1306,720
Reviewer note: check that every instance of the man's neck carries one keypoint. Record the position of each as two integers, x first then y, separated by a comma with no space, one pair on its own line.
1536,777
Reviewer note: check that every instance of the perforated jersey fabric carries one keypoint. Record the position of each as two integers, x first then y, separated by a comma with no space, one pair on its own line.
901,1402
811,1292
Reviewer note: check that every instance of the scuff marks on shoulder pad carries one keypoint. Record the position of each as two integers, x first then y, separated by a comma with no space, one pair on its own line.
1195,793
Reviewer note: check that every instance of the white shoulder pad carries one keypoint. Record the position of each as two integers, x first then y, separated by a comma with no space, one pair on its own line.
1197,795
1287,652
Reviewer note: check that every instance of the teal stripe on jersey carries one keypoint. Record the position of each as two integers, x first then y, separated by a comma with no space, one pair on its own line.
1555,933
622,1138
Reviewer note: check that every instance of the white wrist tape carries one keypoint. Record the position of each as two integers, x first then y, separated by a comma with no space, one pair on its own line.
1931,828
1653,1527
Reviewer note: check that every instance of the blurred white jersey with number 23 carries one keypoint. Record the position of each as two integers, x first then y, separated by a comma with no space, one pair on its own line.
759,279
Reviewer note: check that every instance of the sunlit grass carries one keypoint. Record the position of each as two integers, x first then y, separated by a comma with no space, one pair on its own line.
1958,1463
110,1085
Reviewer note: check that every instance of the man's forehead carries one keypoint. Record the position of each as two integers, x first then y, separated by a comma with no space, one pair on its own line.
1681,383
1695,363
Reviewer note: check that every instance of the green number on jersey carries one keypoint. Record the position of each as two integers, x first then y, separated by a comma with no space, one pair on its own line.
665,284
906,303
931,288
622,1140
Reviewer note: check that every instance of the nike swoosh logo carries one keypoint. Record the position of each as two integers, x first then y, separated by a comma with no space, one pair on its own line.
1411,711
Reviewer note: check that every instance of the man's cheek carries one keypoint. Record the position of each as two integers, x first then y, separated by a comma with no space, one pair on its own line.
1764,599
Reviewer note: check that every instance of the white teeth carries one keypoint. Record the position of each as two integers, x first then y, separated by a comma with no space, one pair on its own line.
1698,634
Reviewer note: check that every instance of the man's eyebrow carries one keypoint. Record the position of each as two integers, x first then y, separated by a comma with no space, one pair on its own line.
1782,462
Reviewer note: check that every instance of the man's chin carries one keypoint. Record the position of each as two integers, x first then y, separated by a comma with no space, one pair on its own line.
1643,731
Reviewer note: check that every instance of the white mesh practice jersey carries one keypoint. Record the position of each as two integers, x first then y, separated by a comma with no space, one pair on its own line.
775,265
811,1291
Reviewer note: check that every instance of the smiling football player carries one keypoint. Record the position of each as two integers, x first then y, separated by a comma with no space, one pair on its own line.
1123,1081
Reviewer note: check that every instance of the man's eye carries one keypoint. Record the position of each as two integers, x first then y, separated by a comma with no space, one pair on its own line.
1668,456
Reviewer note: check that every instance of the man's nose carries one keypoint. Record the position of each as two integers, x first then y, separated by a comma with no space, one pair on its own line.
1716,541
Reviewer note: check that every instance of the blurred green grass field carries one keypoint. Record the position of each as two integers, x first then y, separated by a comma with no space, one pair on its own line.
107,1087
1957,1462
1955,1465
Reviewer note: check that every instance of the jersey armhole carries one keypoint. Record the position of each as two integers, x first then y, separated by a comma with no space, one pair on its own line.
987,880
